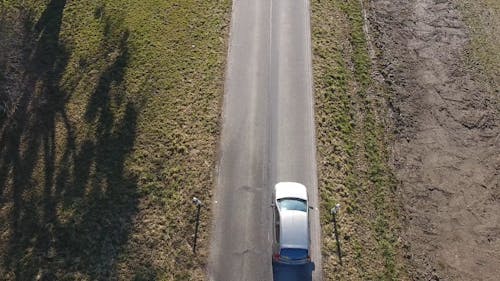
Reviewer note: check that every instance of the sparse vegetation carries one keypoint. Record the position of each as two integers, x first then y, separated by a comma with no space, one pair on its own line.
352,148
483,19
111,132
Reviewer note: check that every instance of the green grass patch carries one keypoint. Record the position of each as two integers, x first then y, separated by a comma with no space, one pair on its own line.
112,133
352,148
483,20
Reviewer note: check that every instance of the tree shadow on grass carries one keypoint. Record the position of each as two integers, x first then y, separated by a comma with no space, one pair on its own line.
68,196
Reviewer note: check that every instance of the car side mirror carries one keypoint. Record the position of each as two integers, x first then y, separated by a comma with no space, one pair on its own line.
311,208
273,205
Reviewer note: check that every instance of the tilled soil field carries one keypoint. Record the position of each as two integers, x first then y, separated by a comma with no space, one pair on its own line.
446,153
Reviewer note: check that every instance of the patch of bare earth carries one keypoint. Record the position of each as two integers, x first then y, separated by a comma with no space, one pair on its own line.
447,146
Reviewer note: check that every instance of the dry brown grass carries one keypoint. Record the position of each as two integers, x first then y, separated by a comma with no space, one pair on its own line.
114,132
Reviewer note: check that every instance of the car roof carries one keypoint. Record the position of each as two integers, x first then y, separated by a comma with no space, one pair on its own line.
294,229
290,190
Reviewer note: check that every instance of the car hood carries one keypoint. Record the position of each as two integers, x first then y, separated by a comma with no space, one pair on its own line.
290,190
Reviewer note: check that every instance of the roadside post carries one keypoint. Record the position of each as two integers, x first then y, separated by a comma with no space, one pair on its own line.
334,211
198,204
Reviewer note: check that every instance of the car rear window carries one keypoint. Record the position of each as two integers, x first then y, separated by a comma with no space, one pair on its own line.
292,204
293,254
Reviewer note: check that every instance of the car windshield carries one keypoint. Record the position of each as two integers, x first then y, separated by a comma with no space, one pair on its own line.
292,204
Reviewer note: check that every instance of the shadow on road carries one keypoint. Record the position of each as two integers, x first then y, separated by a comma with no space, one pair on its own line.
284,272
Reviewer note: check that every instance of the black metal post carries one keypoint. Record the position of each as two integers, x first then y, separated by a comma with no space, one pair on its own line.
339,252
198,208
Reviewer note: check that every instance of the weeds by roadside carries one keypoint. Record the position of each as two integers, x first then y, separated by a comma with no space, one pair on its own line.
352,148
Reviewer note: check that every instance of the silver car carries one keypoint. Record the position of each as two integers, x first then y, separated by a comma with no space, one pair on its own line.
290,224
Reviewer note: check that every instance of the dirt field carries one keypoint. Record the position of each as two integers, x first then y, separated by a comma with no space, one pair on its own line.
439,59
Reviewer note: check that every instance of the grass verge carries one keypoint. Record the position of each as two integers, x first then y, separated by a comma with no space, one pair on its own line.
483,19
110,134
352,149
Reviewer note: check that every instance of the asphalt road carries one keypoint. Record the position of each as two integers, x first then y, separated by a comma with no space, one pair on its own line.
267,137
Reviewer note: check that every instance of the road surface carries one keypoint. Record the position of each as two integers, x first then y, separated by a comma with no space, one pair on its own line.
267,137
